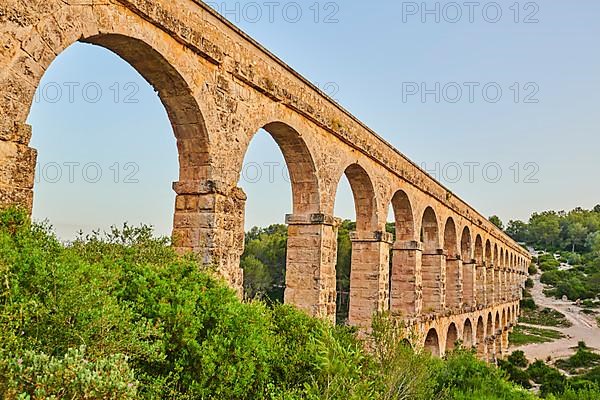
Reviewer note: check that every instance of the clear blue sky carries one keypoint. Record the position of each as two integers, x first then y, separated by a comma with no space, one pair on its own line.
370,59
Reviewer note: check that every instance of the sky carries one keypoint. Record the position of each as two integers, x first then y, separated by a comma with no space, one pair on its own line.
497,100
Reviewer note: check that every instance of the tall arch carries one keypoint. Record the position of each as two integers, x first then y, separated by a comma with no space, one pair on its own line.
497,274
430,231
480,337
454,270
502,271
480,275
490,276
469,268
309,233
468,334
301,167
405,281
489,331
433,264
451,337
369,269
187,122
432,342
466,250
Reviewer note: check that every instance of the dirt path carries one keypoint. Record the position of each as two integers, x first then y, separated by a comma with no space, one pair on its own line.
584,328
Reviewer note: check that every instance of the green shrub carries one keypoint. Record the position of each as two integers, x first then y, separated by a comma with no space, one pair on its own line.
532,269
39,376
529,283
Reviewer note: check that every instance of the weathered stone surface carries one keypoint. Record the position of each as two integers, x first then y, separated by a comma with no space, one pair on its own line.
219,87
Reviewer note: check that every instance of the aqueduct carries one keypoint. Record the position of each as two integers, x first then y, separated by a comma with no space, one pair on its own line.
453,275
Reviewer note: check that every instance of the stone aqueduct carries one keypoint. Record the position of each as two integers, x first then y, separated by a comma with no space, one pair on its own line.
453,276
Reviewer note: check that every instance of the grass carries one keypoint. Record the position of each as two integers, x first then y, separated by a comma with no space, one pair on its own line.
545,317
523,335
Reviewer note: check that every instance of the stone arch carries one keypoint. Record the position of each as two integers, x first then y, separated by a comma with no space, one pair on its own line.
479,249
182,109
451,337
489,271
430,231
403,215
367,296
404,282
468,334
489,331
509,316
454,273
480,273
466,250
488,253
406,343
432,342
432,263
304,187
300,165
504,323
497,322
450,239
365,202
480,337
468,268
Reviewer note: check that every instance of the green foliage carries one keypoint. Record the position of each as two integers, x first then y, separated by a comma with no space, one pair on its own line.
550,379
532,269
518,359
583,358
344,259
522,335
263,262
529,283
544,317
122,316
39,376
494,219
462,376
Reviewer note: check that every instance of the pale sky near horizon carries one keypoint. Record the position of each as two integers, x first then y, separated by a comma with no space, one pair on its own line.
371,56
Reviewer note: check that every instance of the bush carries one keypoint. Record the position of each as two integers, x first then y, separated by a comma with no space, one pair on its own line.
528,304
39,376
529,283
532,269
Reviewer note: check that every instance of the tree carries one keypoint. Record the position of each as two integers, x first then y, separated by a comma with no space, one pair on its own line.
494,219
545,229
576,235
518,230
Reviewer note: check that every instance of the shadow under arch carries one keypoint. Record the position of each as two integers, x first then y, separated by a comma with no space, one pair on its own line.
468,334
432,343
480,337
451,337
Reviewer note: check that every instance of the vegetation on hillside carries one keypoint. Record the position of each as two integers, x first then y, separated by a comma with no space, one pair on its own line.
122,316
575,236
